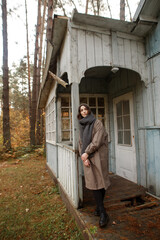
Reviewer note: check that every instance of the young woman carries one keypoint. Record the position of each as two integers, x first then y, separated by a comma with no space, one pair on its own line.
93,149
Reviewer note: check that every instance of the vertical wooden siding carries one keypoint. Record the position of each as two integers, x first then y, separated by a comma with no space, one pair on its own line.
67,175
153,161
88,49
51,152
153,40
126,81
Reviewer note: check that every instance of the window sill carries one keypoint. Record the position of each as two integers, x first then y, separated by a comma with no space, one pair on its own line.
67,145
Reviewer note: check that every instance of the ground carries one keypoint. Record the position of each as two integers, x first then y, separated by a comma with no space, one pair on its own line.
30,204
134,214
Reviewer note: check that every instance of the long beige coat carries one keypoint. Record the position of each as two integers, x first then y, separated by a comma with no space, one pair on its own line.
96,176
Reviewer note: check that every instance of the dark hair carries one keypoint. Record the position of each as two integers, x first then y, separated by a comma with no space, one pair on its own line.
79,116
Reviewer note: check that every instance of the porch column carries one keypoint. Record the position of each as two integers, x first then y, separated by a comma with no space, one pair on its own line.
78,189
75,105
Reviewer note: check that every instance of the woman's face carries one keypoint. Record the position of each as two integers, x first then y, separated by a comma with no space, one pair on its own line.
83,111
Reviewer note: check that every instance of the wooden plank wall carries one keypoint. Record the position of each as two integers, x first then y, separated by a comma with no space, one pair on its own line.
64,56
67,174
51,152
128,81
147,122
153,40
152,120
88,49
153,161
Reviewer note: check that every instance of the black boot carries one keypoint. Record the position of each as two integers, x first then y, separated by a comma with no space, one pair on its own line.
97,212
104,219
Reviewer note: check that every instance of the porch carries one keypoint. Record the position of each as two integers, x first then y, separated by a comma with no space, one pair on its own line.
133,213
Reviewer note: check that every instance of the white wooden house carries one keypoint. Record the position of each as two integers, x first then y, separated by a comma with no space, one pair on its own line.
114,66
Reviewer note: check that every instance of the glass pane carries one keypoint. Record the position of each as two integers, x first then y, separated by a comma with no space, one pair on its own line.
83,100
120,137
66,136
127,137
101,102
65,124
92,102
126,121
119,109
119,123
65,112
125,107
100,112
65,101
93,111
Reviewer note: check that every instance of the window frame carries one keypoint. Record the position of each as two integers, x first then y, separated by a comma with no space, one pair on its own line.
59,125
50,123
123,130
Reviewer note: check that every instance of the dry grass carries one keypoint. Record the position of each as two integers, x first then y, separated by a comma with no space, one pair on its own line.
30,205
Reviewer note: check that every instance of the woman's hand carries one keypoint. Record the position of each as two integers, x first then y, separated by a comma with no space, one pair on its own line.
87,163
84,157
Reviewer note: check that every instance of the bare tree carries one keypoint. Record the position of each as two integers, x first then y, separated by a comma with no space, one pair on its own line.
28,64
98,3
72,1
5,95
86,6
61,5
129,10
39,112
94,8
109,8
122,10
35,83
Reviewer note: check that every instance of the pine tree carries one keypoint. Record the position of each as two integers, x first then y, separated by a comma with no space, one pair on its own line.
5,95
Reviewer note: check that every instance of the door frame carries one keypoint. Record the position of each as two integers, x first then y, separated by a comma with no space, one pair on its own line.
127,96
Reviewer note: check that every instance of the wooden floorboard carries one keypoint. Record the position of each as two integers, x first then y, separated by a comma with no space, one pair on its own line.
134,215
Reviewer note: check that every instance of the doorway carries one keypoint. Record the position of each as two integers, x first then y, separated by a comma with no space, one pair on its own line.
125,151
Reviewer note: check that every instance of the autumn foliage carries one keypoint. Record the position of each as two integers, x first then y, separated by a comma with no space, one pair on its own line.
19,123
19,128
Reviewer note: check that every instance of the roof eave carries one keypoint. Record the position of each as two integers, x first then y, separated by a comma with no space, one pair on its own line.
53,47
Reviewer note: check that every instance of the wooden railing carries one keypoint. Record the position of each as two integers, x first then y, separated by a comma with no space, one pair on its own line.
68,173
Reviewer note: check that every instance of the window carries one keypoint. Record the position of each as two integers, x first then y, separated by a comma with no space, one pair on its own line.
50,121
66,118
97,103
123,123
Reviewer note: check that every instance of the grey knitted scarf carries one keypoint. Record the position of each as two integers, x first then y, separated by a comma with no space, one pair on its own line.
86,127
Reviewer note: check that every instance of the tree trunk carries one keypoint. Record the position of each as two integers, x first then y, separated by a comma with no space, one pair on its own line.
35,82
86,7
94,9
98,6
38,135
130,14
5,95
28,63
109,8
122,10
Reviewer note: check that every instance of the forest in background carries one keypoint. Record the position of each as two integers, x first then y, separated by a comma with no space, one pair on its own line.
21,124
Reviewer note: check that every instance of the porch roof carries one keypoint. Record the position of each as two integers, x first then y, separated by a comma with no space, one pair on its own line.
147,8
58,31
138,28
114,24
146,16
